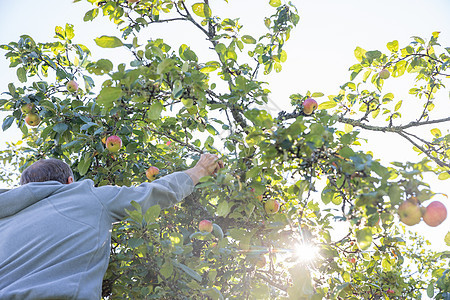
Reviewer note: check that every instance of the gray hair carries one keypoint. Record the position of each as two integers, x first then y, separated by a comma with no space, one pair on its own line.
50,169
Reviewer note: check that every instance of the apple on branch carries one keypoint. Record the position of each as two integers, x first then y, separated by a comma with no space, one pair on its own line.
205,226
410,212
72,86
435,214
384,74
113,143
309,106
27,108
271,206
151,173
32,119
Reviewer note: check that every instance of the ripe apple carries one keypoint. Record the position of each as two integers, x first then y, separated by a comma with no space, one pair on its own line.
389,291
384,74
151,173
72,86
27,108
435,214
132,1
205,226
309,105
271,206
352,260
410,213
113,143
32,119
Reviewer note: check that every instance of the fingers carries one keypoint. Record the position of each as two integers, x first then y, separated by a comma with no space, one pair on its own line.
211,162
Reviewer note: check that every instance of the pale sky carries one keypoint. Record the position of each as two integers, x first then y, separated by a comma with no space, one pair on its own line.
320,51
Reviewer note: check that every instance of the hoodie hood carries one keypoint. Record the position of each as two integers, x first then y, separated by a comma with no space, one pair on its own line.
14,200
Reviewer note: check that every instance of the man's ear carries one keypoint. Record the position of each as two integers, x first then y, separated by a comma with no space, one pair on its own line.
69,180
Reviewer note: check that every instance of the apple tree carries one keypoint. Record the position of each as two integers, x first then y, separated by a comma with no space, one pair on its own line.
291,177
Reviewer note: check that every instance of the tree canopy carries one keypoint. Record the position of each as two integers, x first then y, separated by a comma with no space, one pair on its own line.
291,178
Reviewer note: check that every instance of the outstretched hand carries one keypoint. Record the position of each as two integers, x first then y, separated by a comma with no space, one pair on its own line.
208,164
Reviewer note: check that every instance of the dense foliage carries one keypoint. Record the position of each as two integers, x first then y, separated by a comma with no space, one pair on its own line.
169,105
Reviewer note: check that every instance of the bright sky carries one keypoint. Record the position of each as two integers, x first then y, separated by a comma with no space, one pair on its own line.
320,51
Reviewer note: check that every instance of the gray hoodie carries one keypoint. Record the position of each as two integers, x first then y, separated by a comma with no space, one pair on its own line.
55,238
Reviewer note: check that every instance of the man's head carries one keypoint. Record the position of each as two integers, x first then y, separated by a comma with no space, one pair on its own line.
47,170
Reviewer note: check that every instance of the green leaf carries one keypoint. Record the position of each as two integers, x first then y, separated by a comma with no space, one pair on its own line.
275,3
447,239
166,269
152,213
364,238
398,105
155,111
165,65
317,95
177,89
22,74
392,46
108,95
7,122
223,209
444,176
84,164
248,39
201,10
108,41
430,290
188,271
327,105
359,53
60,127
90,15
218,232
436,132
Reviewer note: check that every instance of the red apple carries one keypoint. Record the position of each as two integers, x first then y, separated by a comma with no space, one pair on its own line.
309,105
205,226
435,214
389,291
384,74
32,119
72,86
271,206
132,1
352,260
27,108
151,173
113,143
410,213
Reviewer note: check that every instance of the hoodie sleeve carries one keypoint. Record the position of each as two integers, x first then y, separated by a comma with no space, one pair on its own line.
165,191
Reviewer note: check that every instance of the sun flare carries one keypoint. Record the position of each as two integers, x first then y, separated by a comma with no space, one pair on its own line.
306,252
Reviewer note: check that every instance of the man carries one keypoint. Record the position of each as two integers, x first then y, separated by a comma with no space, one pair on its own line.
55,233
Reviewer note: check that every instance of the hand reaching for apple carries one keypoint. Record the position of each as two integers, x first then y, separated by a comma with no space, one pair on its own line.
208,164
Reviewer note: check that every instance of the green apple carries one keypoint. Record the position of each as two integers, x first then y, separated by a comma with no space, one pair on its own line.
271,206
309,106
72,86
384,74
205,226
151,173
113,143
261,262
32,119
435,214
27,108
410,213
